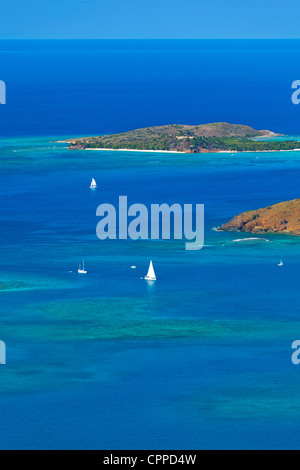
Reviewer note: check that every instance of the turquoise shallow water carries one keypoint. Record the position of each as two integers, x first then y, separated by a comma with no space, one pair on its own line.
200,359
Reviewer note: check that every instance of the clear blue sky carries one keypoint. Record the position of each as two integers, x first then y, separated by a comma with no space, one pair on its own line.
134,19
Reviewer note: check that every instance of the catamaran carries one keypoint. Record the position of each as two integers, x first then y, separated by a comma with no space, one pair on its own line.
151,274
82,271
93,184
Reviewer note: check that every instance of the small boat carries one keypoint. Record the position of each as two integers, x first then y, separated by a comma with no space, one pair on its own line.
82,271
281,263
93,184
151,274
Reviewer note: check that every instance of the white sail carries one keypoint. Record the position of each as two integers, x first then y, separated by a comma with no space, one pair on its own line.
93,184
151,274
82,271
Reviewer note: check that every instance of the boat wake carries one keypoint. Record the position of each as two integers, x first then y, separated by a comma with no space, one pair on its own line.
251,239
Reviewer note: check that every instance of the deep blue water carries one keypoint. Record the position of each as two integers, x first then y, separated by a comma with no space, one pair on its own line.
200,359
92,87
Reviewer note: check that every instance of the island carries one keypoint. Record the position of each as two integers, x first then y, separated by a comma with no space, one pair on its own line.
213,137
283,217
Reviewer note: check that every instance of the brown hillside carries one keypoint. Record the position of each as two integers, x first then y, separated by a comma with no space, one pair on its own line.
283,217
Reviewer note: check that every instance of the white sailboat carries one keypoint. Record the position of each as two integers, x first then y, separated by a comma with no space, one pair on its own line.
151,274
281,263
93,184
82,271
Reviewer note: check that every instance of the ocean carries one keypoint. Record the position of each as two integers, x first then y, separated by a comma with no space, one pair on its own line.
200,359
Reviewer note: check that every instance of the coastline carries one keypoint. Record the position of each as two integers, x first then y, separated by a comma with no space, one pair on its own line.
188,153
136,150
255,151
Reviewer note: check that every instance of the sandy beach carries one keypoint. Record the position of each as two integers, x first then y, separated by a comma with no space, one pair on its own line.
136,150
189,153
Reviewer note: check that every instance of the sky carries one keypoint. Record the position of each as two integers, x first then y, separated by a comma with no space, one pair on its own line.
147,19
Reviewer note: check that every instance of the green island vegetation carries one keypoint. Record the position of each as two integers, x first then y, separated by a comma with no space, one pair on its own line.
212,137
